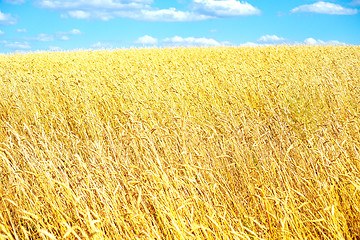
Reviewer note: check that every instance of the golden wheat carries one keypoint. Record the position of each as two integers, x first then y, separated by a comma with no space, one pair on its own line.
183,143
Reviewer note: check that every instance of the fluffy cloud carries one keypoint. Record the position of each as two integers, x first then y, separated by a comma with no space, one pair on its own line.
142,11
43,37
271,39
71,32
79,14
225,8
312,41
191,41
146,40
168,15
162,15
15,1
1,32
92,4
250,44
178,41
64,35
55,49
106,10
23,30
6,19
64,38
100,45
16,45
325,8
75,32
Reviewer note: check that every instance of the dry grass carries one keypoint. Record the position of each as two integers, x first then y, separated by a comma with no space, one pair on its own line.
197,143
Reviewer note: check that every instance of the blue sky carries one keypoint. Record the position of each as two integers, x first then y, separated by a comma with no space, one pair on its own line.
61,25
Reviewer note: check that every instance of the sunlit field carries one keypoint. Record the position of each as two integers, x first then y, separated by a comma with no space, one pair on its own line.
181,143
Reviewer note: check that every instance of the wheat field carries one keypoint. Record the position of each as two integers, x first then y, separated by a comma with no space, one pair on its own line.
181,143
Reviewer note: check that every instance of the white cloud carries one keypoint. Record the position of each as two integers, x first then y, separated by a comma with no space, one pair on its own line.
1,32
55,49
312,41
325,8
191,41
100,45
43,37
75,32
271,39
225,8
142,11
71,32
15,1
178,41
23,30
334,42
64,35
96,9
6,19
168,15
162,15
227,43
146,40
16,45
95,4
64,38
79,14
250,44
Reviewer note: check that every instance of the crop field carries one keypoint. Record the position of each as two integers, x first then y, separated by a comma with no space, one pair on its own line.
181,143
